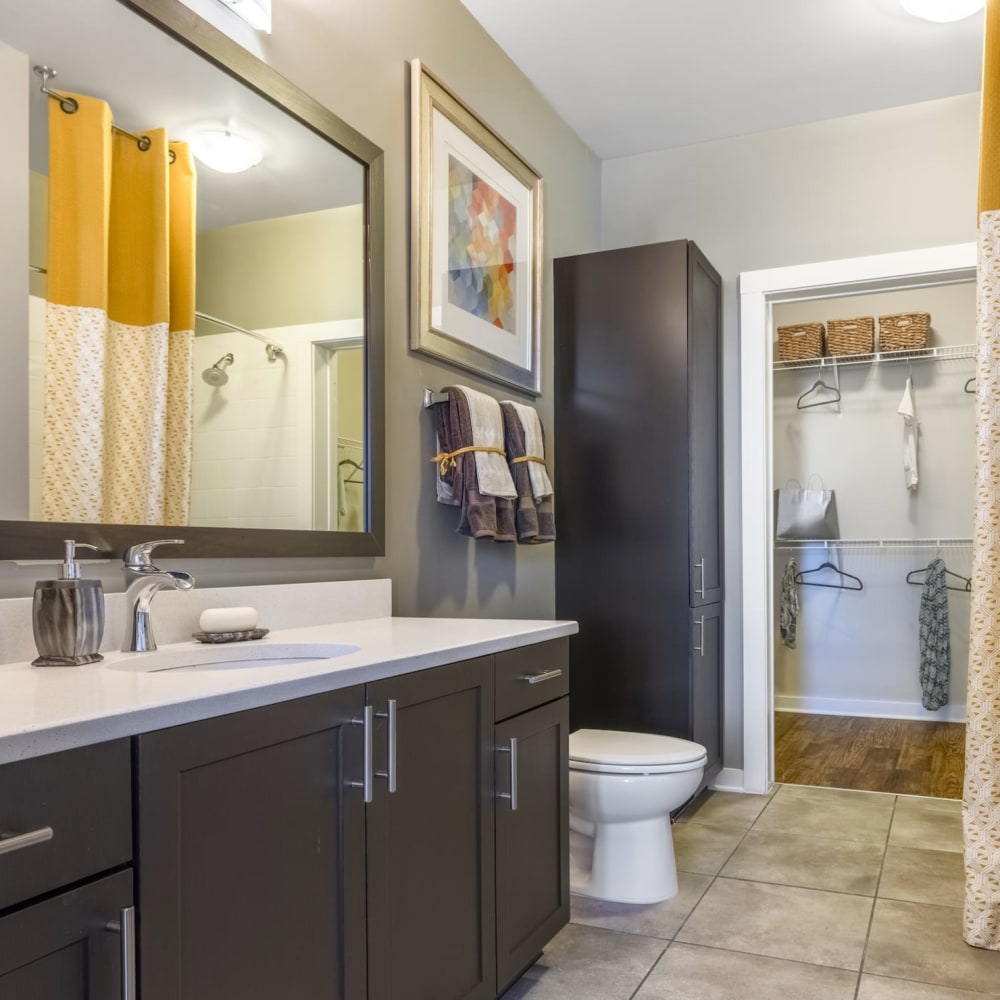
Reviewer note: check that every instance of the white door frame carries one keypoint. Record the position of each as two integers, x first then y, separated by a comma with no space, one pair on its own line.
759,290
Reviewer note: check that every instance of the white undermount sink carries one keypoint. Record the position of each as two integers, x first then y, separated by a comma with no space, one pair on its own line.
254,653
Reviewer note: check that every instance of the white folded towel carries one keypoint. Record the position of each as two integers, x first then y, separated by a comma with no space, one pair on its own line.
534,445
487,431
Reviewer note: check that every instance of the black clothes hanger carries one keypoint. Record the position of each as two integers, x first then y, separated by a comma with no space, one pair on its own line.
818,384
972,382
966,587
832,586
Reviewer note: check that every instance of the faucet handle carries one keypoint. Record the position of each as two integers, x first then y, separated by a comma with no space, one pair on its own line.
138,556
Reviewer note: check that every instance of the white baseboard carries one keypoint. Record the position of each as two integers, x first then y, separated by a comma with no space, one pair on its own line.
869,709
729,779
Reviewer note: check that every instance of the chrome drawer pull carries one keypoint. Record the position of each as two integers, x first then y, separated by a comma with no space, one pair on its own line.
126,927
512,794
390,714
8,844
700,565
548,675
367,781
700,648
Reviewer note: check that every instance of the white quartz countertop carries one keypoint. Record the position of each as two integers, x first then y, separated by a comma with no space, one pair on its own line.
45,709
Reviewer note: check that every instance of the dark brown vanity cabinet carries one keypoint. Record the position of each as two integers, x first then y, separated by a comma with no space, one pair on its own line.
532,804
430,836
251,854
66,822
638,430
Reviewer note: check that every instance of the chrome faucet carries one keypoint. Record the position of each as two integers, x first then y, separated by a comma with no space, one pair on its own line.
144,580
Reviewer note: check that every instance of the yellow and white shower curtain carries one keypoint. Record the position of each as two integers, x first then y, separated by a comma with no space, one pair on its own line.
981,801
117,430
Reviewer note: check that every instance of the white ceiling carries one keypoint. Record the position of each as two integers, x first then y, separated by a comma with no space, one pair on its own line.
630,76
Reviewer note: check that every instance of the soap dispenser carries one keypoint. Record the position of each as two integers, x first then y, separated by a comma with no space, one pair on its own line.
68,615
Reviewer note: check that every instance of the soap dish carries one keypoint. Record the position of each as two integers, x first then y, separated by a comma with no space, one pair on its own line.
241,636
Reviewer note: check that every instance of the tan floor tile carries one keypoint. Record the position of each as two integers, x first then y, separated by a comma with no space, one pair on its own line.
657,920
794,859
924,943
802,925
828,814
877,988
705,847
922,876
688,972
933,824
588,963
725,809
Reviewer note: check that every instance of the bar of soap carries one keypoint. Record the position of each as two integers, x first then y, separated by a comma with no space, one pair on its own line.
227,619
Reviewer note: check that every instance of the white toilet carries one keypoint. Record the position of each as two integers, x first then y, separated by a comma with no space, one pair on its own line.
622,789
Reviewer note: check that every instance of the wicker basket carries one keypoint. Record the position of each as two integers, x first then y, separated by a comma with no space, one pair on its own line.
850,336
903,331
796,343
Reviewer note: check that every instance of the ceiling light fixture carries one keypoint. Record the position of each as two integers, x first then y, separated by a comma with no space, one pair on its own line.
225,151
257,13
942,10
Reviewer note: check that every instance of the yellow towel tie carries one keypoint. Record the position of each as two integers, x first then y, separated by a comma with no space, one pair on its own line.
446,460
527,458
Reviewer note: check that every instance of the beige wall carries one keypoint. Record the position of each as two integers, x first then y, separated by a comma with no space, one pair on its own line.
353,57
890,180
293,270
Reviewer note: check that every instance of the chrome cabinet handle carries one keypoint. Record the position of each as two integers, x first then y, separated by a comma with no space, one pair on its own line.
547,675
512,794
700,566
367,781
700,647
15,843
390,775
125,926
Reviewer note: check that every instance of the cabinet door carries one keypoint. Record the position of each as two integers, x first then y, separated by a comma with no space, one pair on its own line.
68,947
705,420
251,854
431,911
532,826
706,683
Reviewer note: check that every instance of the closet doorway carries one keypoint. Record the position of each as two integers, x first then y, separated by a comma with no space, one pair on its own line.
842,707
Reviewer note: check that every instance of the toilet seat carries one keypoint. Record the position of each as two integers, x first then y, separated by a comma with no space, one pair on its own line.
606,751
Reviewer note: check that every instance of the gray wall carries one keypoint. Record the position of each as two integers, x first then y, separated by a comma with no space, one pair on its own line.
353,57
891,180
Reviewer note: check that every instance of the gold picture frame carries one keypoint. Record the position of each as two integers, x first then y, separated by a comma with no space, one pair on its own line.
476,242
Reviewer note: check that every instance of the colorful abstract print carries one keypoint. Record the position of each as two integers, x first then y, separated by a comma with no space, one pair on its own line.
481,243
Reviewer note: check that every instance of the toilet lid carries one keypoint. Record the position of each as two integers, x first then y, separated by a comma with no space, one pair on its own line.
607,746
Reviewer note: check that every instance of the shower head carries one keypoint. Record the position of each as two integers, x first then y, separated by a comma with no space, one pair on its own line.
216,375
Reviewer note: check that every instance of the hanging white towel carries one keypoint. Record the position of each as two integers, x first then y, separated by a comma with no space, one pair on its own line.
908,412
534,444
487,430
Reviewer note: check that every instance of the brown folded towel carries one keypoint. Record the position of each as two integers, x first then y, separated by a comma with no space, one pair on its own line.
534,518
458,481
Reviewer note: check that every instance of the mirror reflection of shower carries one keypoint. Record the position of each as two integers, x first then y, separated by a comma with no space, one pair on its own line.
216,375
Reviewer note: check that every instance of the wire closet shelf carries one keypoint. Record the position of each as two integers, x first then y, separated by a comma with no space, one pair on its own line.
956,352
872,543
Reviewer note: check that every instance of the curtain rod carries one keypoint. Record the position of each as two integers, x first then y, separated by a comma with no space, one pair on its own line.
273,348
70,106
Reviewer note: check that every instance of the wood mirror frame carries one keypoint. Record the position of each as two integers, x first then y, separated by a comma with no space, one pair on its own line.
24,540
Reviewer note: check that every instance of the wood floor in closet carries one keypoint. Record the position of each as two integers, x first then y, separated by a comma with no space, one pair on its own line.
876,755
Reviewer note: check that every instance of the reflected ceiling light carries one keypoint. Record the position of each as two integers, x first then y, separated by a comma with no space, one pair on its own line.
942,10
257,13
225,151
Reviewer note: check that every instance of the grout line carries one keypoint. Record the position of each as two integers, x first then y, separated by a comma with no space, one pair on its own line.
649,972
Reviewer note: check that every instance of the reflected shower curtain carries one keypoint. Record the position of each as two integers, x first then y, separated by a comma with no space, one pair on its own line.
117,428
981,801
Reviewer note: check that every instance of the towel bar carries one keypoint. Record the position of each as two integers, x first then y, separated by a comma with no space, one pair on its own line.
432,398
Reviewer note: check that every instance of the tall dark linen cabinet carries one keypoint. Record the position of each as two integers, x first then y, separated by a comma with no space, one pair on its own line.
639,487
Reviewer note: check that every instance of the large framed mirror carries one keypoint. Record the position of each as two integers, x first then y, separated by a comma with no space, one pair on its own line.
280,398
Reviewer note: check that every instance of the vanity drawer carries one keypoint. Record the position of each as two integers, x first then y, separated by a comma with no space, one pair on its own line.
84,797
530,676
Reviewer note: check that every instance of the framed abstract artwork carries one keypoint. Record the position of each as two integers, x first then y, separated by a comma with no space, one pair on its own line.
476,242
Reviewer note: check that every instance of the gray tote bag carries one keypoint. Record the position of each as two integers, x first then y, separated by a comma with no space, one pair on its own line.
805,513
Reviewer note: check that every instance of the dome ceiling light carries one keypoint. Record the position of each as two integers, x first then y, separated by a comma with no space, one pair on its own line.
225,151
942,10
